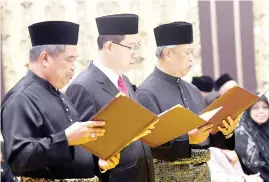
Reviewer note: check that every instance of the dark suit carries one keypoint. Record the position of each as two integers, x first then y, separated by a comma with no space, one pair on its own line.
90,92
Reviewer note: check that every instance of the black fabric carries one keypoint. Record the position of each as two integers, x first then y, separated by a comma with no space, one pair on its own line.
134,87
222,80
118,24
203,83
54,32
252,145
34,116
173,34
89,93
158,93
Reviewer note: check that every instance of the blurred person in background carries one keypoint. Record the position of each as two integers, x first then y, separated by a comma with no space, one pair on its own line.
204,84
252,139
221,85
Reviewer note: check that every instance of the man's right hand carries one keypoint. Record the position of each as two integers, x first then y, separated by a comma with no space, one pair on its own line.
199,135
83,132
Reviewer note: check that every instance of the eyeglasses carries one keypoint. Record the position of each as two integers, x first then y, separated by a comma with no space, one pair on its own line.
134,48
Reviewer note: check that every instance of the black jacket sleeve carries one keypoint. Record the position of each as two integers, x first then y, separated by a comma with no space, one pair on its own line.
26,147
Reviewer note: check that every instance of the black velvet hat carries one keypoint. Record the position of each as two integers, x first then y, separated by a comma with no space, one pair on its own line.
222,80
54,32
173,34
204,83
118,24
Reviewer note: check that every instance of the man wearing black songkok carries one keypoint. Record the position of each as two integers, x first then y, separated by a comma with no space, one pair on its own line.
206,84
102,80
224,83
203,83
39,124
182,159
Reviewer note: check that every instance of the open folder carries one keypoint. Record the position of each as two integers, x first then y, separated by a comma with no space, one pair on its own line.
180,120
126,120
176,122
233,102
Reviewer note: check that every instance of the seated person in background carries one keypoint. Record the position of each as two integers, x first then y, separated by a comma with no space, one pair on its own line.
224,83
252,139
221,85
204,84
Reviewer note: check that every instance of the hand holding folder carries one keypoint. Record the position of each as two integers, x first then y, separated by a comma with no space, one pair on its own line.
234,102
200,134
178,120
126,121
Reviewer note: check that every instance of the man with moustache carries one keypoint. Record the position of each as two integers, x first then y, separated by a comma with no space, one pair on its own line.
182,159
39,124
